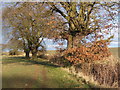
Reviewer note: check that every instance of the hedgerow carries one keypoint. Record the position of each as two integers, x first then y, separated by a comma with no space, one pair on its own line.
96,51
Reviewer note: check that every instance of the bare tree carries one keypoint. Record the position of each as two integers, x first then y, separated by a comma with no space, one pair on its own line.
85,19
28,22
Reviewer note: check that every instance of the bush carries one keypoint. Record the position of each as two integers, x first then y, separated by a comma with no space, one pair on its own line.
14,52
105,72
99,73
96,51
60,60
41,53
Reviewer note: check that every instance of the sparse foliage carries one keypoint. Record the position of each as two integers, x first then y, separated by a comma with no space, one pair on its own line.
29,23
84,20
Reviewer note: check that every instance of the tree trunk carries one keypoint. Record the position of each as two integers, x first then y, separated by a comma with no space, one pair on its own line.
27,54
34,54
70,43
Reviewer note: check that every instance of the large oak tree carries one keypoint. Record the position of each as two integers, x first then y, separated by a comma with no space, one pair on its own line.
85,20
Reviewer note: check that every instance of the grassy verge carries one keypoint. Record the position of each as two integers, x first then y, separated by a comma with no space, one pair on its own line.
18,72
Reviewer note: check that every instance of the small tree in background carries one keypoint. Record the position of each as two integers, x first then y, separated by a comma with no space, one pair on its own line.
31,23
28,22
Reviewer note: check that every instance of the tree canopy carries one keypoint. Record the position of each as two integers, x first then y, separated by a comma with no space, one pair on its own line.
76,22
28,22
85,19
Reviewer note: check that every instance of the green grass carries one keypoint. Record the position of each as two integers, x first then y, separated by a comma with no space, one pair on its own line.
115,51
17,72
51,52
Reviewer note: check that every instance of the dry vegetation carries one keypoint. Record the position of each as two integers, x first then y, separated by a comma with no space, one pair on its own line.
103,73
100,74
97,51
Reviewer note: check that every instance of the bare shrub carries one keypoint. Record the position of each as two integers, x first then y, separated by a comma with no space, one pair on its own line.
15,52
60,60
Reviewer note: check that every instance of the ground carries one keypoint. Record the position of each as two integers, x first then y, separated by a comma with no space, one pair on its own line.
19,72
115,52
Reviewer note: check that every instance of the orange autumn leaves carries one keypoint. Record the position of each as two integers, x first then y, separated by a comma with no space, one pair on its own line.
97,51
52,22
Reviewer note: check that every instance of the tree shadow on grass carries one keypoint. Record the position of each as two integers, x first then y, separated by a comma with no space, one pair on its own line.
9,60
20,82
24,61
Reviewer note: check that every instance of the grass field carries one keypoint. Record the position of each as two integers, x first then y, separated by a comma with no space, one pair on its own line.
21,73
18,72
115,51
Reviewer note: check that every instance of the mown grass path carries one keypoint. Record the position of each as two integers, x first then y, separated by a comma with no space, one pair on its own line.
18,72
